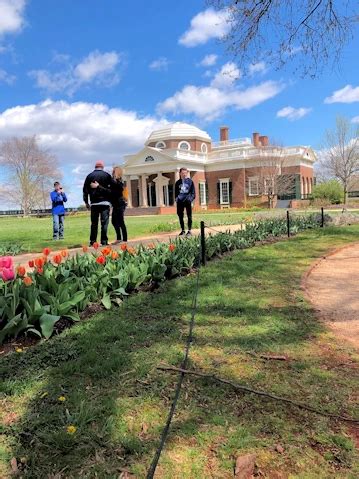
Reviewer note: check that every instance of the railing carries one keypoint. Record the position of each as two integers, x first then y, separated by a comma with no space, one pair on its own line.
255,152
237,141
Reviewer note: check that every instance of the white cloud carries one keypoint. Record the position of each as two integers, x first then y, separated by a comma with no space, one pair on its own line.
79,134
293,113
211,102
355,119
348,94
161,64
226,76
98,68
208,60
204,26
11,16
6,77
259,67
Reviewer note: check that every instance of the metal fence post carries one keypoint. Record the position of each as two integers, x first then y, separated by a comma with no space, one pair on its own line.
322,224
288,224
203,244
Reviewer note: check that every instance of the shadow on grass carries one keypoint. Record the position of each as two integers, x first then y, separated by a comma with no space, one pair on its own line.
105,368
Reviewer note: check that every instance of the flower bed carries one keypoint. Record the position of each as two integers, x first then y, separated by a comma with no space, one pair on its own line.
60,286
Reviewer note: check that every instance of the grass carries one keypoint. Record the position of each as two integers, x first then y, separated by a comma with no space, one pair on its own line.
36,233
118,401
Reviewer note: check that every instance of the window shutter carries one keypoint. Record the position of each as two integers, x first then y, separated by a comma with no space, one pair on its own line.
207,193
230,191
218,193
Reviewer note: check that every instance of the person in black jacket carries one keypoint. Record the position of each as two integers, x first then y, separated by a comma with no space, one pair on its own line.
119,197
99,202
185,194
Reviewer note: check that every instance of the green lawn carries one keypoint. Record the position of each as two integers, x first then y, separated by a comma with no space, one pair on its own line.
249,302
36,233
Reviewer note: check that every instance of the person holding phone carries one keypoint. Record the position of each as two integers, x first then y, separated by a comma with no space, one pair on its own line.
58,198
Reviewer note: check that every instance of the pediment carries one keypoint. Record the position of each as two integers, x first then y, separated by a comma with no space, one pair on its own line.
148,156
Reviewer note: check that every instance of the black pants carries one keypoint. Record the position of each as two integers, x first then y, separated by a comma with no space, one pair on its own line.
103,212
181,206
118,222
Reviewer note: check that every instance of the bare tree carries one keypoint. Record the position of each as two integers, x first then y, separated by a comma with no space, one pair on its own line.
312,33
30,172
340,157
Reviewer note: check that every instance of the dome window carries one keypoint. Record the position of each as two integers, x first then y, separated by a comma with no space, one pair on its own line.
184,145
160,144
204,148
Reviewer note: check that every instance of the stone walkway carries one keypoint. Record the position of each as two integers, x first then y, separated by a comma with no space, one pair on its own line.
145,240
332,285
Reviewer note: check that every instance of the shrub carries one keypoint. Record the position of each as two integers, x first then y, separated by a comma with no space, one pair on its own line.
329,192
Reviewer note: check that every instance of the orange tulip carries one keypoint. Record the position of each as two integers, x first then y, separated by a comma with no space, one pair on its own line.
39,262
46,251
106,251
27,281
95,245
131,250
151,246
31,263
57,258
114,255
172,247
64,253
21,271
85,248
101,260
123,246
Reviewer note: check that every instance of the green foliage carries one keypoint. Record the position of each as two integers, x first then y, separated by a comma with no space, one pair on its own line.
10,248
66,289
329,191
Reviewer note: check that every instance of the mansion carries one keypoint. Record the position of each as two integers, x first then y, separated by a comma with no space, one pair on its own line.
228,173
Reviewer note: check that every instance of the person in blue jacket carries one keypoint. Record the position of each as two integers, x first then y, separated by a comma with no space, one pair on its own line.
58,198
185,194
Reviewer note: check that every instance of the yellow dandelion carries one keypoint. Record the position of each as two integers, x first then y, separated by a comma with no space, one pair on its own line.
19,350
62,399
71,429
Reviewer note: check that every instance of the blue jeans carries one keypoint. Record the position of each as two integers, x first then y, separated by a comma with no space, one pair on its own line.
58,226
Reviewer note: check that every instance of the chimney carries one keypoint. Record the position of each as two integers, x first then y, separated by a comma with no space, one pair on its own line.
256,141
264,140
224,133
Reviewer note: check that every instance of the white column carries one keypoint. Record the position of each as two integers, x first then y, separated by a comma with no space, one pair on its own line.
143,191
159,190
301,187
129,190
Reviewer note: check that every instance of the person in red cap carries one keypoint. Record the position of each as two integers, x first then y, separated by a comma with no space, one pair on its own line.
98,201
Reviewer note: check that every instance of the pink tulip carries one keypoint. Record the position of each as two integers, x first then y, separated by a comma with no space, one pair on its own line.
7,274
6,262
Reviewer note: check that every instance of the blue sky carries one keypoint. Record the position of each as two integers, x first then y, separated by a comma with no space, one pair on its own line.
92,78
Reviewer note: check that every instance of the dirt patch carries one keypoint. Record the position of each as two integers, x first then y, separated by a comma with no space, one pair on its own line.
332,286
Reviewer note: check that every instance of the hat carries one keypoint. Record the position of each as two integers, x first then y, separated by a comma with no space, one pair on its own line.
99,164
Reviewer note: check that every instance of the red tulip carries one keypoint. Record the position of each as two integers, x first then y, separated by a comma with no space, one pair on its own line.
172,247
46,251
96,245
31,263
101,260
39,262
21,271
57,258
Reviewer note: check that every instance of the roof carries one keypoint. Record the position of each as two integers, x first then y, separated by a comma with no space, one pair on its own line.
178,130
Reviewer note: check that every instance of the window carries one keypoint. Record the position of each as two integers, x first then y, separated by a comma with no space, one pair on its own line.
253,187
160,144
149,159
224,191
269,186
184,145
202,193
204,148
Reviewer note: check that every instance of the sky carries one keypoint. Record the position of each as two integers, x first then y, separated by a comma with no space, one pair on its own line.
93,78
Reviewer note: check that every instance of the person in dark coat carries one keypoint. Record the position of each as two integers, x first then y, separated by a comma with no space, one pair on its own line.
98,201
118,198
185,194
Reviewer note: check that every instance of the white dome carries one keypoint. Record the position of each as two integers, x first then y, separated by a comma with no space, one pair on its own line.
180,131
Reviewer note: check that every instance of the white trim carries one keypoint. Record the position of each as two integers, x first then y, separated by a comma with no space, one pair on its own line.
202,185
223,181
250,180
185,143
